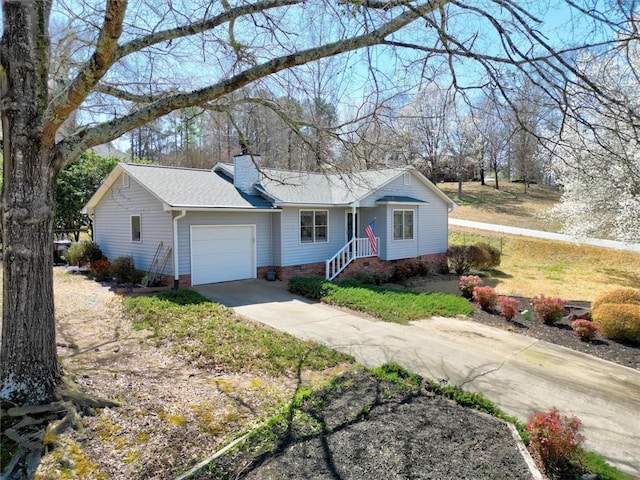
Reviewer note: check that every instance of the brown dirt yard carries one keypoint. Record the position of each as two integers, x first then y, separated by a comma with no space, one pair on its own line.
174,413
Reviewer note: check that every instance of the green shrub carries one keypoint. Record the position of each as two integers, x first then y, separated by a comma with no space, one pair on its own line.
619,321
124,270
82,253
310,287
626,296
376,278
408,270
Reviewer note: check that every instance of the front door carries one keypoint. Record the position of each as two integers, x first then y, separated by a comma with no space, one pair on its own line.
352,227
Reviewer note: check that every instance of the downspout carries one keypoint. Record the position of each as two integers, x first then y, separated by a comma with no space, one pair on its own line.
176,263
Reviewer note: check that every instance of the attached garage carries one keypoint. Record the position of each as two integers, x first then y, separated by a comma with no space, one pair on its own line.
222,253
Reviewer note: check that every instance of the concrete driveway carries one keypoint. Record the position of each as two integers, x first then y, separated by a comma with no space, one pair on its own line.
518,373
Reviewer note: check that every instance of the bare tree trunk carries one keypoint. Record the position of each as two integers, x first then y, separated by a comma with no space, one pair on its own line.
28,363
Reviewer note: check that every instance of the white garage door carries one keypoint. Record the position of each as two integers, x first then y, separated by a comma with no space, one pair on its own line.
222,253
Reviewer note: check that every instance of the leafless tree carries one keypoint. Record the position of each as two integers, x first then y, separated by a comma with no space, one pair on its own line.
132,64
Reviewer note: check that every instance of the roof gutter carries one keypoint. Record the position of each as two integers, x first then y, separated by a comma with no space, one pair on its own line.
176,263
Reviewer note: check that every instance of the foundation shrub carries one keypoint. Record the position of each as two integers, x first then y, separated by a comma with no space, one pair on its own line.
310,287
555,444
485,297
81,253
625,296
618,321
124,270
405,271
585,330
376,278
548,309
99,269
508,307
467,283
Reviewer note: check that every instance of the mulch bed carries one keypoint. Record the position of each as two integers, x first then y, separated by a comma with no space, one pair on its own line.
562,334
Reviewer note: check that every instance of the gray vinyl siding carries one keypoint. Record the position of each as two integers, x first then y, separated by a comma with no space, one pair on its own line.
296,253
112,225
262,221
430,220
378,213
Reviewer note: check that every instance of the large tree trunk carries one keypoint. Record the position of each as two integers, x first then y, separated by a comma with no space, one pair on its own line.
29,368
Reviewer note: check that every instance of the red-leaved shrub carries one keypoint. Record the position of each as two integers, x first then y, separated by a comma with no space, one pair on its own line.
548,309
585,329
508,307
486,297
468,283
554,442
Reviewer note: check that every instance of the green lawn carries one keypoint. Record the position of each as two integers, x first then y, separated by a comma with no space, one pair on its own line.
211,335
391,305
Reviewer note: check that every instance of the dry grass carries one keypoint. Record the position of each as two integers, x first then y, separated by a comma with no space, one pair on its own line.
508,206
173,413
576,272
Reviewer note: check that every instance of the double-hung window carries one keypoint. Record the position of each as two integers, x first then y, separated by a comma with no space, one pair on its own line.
403,224
314,226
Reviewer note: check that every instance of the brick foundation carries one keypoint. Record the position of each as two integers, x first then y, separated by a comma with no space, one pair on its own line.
370,265
436,262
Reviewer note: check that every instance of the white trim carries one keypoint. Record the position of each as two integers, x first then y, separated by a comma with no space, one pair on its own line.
314,210
191,208
176,249
393,225
126,181
131,228
406,178
254,268
346,224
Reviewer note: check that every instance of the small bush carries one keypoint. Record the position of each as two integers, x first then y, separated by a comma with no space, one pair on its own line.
548,309
585,330
478,257
458,259
124,270
99,269
492,255
626,296
555,443
467,284
310,287
80,254
486,297
619,321
409,270
367,278
508,307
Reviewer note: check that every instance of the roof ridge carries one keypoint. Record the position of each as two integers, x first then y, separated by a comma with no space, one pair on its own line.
167,167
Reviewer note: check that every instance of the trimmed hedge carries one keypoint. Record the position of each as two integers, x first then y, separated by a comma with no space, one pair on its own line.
310,287
619,321
626,296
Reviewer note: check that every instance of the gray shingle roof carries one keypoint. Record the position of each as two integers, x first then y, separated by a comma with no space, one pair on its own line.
194,188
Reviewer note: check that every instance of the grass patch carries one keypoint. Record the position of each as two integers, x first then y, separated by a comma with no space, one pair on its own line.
391,305
530,266
211,335
508,206
596,464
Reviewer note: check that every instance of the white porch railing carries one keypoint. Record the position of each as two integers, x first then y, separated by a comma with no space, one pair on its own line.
355,248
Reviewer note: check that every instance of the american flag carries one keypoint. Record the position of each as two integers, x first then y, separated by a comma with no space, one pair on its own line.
370,230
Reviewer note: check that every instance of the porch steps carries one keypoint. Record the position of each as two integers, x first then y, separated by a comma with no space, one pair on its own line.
355,248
